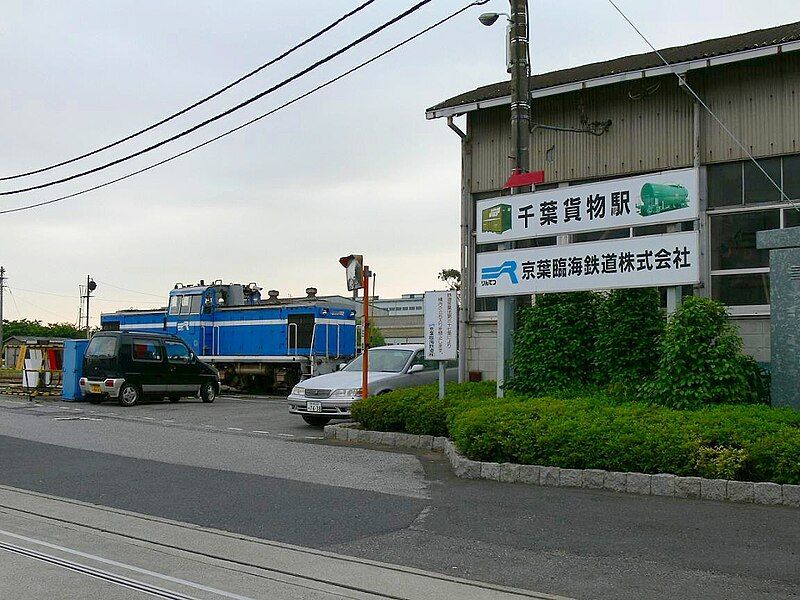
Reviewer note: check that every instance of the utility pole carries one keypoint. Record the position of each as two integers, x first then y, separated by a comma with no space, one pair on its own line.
365,326
2,285
520,163
90,287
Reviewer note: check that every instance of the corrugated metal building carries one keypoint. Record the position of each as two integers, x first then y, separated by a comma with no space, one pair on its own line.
751,81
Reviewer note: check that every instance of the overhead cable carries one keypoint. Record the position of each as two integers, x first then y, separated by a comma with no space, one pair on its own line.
684,81
211,96
233,109
251,121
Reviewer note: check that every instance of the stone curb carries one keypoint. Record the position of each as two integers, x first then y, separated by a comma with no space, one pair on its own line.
640,484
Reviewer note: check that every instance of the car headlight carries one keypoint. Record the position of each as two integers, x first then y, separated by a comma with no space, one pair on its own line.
298,391
351,393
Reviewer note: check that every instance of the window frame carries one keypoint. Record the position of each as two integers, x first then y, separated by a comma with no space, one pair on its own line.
177,343
158,344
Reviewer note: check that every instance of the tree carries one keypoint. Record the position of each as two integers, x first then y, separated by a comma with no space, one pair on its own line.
375,336
452,278
26,327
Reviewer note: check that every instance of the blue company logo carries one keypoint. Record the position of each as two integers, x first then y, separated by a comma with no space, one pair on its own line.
509,267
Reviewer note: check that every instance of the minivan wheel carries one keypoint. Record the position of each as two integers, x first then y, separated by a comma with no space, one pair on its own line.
208,392
316,421
129,395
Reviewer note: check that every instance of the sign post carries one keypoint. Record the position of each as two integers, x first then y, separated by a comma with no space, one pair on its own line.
358,277
441,330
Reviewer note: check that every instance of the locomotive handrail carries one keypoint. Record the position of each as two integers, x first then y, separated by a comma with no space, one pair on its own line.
289,337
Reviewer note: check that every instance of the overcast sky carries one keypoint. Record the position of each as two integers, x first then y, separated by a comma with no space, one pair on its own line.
354,168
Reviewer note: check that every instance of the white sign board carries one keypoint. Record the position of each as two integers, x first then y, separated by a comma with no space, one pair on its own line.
665,197
441,325
648,261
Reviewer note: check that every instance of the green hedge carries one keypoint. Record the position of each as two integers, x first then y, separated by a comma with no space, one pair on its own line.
754,442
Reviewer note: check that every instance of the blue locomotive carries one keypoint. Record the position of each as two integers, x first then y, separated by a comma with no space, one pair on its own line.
255,343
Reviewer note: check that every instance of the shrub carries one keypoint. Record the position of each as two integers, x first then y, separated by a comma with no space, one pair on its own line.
554,343
700,360
629,324
755,442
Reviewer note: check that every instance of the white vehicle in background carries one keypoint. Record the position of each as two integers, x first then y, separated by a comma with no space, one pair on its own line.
325,397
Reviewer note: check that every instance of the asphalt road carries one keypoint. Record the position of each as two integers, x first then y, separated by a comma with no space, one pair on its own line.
233,466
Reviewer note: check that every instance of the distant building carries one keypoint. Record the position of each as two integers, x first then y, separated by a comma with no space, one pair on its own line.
407,304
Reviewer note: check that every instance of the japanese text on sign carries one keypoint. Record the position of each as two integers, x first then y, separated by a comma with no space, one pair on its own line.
441,326
665,197
658,260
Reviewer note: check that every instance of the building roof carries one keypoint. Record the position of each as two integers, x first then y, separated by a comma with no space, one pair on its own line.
772,38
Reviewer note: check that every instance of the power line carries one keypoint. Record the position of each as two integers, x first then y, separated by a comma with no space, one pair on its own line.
103,298
36,306
683,80
280,57
130,290
233,109
251,121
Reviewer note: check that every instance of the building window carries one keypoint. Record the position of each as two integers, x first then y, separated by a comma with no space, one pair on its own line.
739,270
733,239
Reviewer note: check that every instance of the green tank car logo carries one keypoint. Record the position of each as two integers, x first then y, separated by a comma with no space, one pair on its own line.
658,198
496,219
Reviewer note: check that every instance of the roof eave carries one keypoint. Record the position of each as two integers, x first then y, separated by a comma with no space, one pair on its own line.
682,67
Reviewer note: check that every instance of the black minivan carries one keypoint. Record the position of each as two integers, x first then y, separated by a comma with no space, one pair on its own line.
129,366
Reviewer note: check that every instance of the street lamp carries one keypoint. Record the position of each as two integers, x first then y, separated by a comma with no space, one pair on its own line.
489,19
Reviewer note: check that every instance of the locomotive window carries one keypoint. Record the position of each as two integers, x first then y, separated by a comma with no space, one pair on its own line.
174,305
195,305
186,304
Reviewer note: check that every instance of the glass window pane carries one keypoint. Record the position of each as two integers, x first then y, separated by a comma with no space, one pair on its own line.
174,304
733,239
757,188
195,309
485,304
177,352
146,350
536,243
791,176
608,234
741,290
186,304
791,217
724,184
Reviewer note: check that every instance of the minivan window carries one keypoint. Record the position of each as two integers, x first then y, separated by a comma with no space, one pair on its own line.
174,305
146,350
178,352
102,346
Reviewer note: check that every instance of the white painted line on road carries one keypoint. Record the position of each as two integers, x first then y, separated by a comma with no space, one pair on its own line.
257,431
108,576
234,429
313,437
168,420
148,418
286,434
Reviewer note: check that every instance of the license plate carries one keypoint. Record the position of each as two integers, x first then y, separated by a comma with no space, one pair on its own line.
314,406
95,389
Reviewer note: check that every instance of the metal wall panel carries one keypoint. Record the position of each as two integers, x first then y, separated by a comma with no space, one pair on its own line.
758,100
654,132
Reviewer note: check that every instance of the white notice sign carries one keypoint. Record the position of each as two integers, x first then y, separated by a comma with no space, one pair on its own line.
657,198
649,261
441,325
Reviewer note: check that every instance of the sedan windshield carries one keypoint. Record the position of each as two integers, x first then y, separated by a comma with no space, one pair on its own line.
383,361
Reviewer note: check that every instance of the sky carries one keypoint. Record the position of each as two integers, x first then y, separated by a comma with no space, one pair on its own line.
355,168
